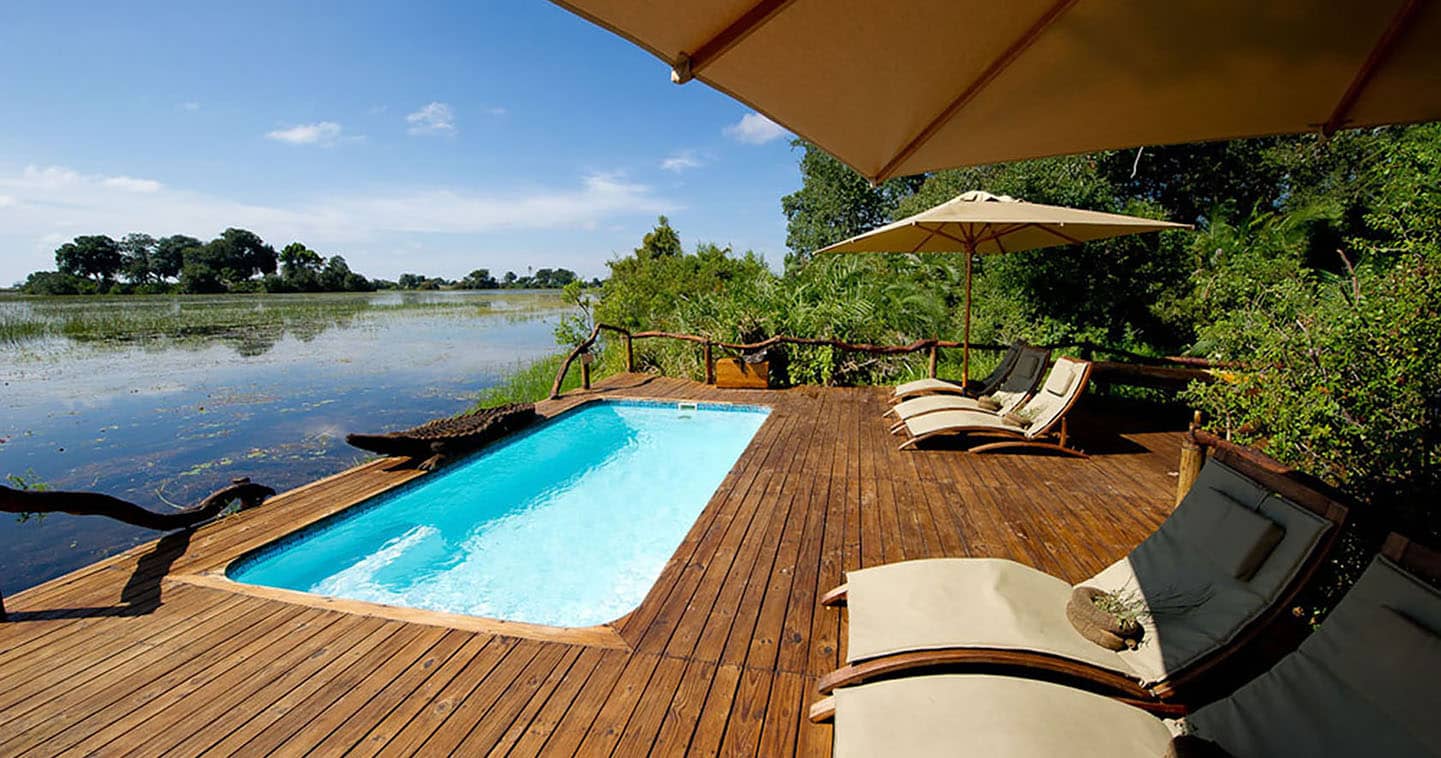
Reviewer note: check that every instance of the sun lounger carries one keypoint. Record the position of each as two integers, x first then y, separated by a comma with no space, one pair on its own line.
1363,685
1042,418
1015,389
1217,573
983,387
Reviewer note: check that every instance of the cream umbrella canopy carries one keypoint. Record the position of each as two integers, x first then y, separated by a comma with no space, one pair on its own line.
979,223
909,86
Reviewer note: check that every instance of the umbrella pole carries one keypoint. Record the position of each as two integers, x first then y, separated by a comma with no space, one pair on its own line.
966,343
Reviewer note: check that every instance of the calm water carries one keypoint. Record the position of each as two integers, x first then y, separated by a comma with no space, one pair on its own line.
142,401
568,525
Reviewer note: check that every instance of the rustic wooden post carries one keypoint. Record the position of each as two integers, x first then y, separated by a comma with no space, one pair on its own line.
585,361
934,359
629,355
1192,456
709,364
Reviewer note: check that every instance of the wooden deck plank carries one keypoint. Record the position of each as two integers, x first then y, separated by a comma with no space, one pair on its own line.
128,656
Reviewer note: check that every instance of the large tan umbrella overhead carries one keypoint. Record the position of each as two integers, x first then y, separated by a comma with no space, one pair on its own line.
908,86
979,223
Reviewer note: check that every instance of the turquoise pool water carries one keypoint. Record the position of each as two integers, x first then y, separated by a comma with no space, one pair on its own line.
568,524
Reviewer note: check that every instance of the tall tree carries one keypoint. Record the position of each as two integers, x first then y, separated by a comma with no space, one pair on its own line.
660,242
834,202
94,256
135,252
167,258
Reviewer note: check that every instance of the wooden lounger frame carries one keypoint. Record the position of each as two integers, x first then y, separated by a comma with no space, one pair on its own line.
1187,688
1410,556
1014,440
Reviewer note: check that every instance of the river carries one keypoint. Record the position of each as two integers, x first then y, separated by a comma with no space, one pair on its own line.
162,400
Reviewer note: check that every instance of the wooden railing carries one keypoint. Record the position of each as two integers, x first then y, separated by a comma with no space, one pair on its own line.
1139,368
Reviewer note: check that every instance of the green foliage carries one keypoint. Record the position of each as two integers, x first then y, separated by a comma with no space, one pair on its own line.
135,252
529,383
834,203
1345,383
95,256
661,242
479,279
27,483
56,283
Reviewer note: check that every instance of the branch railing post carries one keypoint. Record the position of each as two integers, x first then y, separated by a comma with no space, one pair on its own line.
935,359
709,364
1193,455
629,354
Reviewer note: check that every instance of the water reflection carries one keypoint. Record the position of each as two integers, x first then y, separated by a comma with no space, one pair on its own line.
165,402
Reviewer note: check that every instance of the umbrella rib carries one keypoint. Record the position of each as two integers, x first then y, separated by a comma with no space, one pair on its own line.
929,235
1008,56
1400,22
689,65
939,233
1052,230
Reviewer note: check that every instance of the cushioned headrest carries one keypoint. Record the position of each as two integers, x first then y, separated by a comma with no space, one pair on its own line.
1059,382
1233,538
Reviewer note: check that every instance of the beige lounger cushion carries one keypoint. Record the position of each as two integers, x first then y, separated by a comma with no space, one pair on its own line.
984,715
926,385
940,421
1364,685
964,602
1198,607
933,403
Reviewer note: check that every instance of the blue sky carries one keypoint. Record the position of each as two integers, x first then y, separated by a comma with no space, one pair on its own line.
426,137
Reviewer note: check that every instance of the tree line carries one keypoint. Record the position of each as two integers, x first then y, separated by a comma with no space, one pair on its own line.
237,261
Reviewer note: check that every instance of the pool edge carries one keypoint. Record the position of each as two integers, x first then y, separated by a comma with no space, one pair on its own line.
215,574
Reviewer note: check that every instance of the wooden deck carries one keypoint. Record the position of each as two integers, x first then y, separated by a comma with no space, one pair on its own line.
135,656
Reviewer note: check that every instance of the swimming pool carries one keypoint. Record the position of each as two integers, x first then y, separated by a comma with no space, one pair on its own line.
567,524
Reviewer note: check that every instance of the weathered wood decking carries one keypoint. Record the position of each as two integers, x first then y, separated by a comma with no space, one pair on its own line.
129,657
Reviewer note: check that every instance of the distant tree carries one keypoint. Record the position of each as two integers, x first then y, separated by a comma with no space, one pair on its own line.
56,283
94,256
200,279
337,277
479,279
136,250
168,255
509,279
410,281
300,268
244,255
660,242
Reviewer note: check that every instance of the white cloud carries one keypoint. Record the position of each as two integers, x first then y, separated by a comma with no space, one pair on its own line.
189,105
497,110
754,129
131,184
46,205
681,160
322,133
432,118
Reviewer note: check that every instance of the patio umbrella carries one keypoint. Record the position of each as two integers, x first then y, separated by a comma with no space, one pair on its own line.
897,88
979,223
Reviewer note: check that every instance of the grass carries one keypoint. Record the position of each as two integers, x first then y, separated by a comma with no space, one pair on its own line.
530,383
15,329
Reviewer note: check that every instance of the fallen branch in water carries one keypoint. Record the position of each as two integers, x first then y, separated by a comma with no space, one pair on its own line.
97,504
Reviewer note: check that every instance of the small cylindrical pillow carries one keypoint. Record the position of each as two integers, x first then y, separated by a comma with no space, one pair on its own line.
988,403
